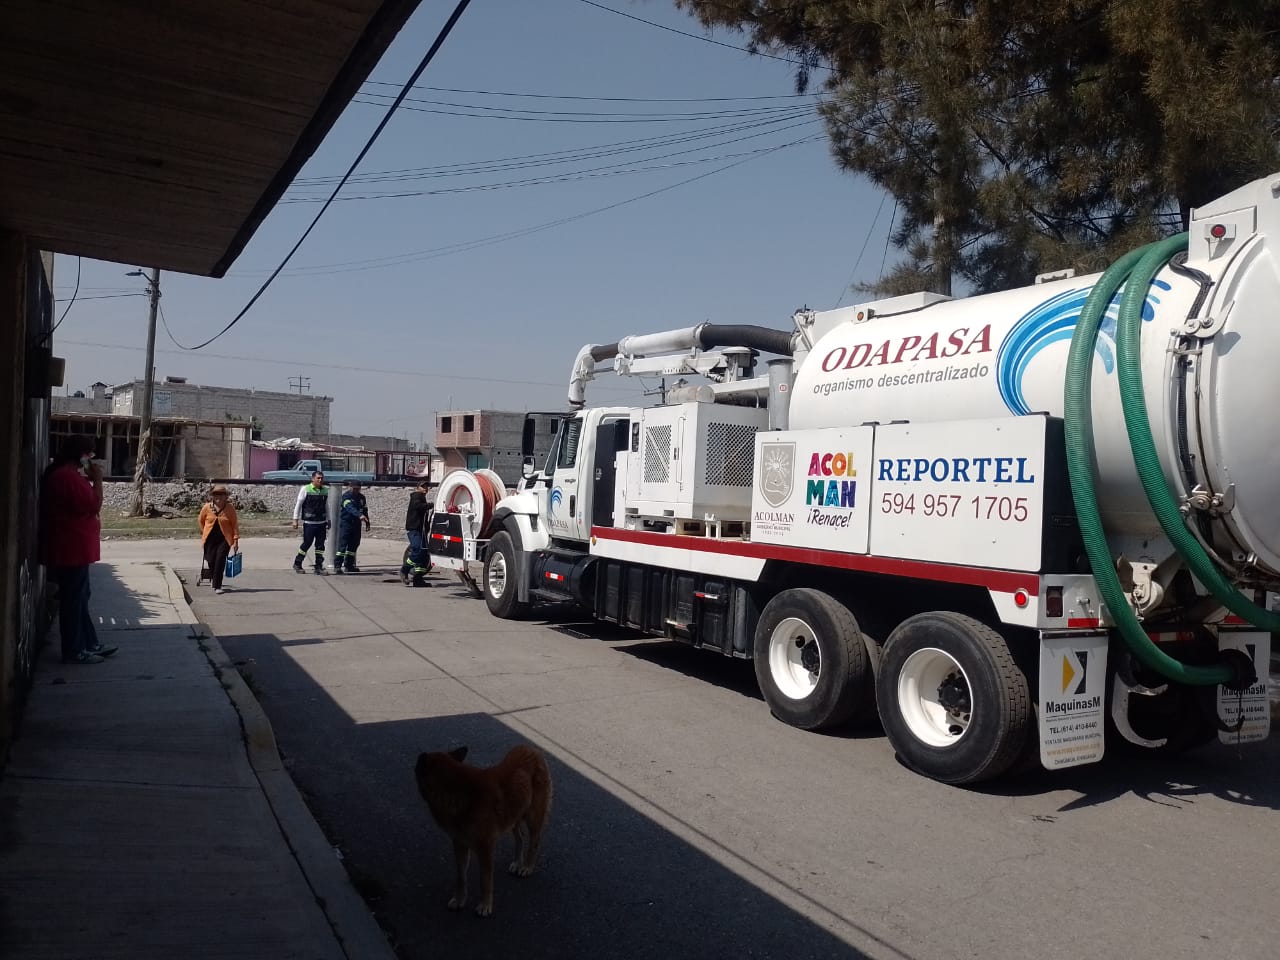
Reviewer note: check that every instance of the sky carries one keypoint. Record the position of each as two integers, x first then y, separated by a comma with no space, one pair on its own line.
399,306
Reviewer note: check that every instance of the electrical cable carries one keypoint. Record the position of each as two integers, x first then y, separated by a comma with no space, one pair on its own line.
570,96
650,116
569,155
431,253
343,367
164,322
105,296
694,36
591,173
889,236
588,118
373,137
866,240
74,295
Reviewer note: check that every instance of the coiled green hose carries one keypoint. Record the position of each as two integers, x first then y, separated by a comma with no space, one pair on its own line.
1163,504
1134,272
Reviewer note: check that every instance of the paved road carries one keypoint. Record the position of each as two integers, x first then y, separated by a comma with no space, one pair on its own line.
688,822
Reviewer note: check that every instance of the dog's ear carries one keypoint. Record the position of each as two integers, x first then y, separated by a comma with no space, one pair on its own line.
459,753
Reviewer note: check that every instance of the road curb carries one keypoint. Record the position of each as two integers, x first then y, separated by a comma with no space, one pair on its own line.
357,932
177,595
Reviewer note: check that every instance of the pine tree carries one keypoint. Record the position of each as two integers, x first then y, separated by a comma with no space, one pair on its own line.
1022,136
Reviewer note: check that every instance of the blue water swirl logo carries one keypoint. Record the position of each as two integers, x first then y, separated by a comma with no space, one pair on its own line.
1050,322
557,496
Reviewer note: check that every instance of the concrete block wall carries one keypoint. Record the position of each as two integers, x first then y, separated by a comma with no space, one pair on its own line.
81,404
278,414
207,454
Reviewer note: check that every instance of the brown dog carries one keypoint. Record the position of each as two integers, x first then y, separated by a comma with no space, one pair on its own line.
476,805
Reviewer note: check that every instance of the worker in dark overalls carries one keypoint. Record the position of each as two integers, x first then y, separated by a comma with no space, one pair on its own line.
351,514
417,527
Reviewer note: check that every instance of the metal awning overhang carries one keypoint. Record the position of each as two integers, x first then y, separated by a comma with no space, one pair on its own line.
161,134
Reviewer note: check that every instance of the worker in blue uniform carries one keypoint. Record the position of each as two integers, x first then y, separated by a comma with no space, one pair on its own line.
353,512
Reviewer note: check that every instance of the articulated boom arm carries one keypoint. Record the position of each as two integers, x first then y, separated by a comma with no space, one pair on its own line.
674,352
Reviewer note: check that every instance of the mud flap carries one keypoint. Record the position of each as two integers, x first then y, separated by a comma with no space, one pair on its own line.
1072,698
1244,716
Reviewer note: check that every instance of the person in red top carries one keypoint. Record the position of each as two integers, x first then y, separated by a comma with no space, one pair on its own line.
72,499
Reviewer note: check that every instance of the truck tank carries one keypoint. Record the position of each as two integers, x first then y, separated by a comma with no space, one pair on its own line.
1210,337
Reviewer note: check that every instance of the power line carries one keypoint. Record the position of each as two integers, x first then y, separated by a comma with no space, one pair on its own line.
540,181
75,293
104,289
640,116
694,36
164,321
345,368
373,137
865,240
555,157
431,253
570,96
592,173
582,117
889,236
100,296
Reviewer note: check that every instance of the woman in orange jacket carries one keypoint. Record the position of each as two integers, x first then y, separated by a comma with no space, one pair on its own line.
220,531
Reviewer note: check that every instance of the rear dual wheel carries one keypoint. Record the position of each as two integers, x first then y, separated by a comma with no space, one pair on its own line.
954,704
811,662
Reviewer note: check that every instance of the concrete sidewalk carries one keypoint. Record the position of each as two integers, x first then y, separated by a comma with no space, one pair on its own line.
145,811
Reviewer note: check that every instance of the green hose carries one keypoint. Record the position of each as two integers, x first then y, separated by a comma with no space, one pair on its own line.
1078,421
1163,504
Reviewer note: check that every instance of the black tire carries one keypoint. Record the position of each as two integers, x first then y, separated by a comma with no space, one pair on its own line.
982,714
500,570
826,637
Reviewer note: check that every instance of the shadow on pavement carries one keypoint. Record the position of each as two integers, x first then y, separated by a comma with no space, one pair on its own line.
612,880
1251,778
620,877
114,606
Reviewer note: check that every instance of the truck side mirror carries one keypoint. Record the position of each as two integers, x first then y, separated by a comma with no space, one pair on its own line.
527,438
528,467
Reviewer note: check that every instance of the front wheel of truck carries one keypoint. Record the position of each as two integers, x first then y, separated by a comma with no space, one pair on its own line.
501,591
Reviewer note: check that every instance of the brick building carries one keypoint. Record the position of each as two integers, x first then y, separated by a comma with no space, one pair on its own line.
469,439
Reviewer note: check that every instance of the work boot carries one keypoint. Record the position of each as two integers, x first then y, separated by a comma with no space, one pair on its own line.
337,567
319,569
404,577
351,567
297,568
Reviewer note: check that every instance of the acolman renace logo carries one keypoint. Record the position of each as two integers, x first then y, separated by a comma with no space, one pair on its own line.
831,483
831,480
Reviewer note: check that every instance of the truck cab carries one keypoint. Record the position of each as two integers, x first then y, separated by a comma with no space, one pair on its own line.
580,476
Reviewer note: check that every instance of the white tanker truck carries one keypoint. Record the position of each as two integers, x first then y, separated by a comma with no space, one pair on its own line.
1017,527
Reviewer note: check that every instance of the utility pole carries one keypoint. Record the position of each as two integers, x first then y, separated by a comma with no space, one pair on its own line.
148,393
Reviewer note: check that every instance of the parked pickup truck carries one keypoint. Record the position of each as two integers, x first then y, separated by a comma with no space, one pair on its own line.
302,470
